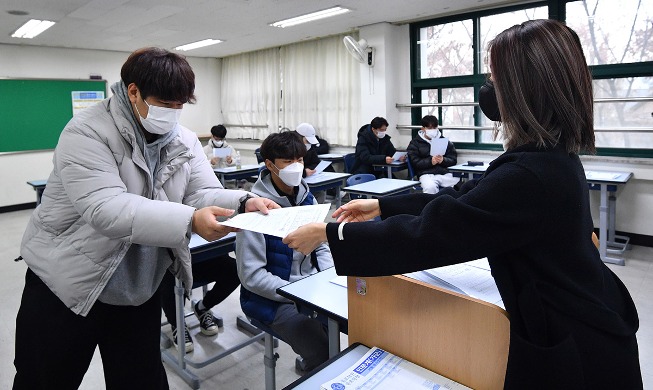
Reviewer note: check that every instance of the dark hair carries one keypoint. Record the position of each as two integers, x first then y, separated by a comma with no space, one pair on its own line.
287,145
543,86
219,131
430,121
160,73
378,122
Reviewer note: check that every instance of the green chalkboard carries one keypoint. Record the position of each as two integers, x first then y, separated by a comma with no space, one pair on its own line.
33,112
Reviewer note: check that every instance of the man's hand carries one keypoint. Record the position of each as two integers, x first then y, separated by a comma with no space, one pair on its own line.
307,237
435,160
388,160
229,159
403,158
309,171
215,160
260,204
358,210
206,225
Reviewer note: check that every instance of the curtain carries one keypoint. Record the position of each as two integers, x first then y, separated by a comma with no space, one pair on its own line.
250,89
321,86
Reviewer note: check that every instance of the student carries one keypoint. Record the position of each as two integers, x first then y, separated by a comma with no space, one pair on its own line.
265,263
431,170
128,187
373,147
311,159
218,141
221,270
572,321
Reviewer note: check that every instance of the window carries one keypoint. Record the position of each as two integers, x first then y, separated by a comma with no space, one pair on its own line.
446,50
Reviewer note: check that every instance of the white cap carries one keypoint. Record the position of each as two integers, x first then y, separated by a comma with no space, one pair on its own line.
308,131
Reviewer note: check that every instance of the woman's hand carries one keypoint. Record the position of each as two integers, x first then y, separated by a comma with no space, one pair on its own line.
260,204
358,210
307,238
205,223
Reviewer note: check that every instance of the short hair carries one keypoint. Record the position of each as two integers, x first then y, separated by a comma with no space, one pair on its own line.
429,121
543,86
286,145
160,73
219,131
378,122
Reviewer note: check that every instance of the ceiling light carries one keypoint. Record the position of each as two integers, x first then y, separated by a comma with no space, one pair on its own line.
32,28
198,44
310,17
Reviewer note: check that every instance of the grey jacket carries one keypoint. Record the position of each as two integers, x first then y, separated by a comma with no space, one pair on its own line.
251,249
100,199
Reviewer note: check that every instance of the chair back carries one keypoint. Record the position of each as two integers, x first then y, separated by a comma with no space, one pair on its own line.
411,172
259,158
358,179
349,161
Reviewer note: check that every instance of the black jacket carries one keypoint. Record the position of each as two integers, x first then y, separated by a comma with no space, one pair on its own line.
572,321
419,153
311,159
370,150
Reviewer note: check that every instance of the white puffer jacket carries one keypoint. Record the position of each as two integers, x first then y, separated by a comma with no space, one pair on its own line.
97,203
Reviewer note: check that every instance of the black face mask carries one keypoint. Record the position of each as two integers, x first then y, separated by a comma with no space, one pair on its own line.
487,101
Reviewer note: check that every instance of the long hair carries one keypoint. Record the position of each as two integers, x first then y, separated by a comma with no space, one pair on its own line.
543,86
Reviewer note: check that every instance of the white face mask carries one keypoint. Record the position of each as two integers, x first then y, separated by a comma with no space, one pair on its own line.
308,146
217,144
433,133
292,174
380,134
160,120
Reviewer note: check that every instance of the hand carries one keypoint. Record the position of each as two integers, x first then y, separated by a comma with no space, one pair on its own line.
435,160
358,210
260,204
206,225
229,159
388,160
309,171
307,237
403,158
215,160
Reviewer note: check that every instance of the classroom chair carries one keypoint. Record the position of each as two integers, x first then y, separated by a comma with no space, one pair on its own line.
359,179
349,161
411,174
257,153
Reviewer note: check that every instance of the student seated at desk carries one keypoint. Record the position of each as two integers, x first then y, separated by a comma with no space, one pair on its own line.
314,146
221,270
373,147
217,141
431,170
265,263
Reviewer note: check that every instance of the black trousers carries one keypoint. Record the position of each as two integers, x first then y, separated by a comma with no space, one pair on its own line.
54,346
222,270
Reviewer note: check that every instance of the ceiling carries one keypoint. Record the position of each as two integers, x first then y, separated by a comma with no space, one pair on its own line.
243,25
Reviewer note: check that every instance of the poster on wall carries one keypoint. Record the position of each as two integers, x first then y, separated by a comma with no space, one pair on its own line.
83,99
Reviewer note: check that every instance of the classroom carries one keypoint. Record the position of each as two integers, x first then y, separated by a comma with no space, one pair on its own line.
417,58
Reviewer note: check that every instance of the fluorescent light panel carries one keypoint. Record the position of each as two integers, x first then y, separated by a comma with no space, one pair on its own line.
32,28
310,17
198,44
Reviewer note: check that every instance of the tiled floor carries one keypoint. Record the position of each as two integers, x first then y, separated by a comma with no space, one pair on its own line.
244,369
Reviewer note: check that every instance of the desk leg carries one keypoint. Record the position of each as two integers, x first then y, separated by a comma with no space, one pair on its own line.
389,172
334,337
606,222
221,177
338,200
39,194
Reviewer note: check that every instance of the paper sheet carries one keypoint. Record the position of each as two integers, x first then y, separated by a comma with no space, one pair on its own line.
340,280
439,146
321,166
221,152
279,222
398,155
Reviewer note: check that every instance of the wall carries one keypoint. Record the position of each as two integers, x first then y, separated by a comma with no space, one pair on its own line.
43,62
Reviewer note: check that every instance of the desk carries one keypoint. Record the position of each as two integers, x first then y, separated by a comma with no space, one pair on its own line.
381,187
39,187
393,166
608,183
325,180
231,173
318,297
471,171
333,157
201,250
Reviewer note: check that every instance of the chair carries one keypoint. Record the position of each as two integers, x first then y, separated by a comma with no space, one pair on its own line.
411,174
259,158
358,179
349,161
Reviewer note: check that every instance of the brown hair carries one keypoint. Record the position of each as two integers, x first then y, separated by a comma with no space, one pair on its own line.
160,73
543,86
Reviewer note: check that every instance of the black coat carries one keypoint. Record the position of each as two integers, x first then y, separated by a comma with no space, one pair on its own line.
311,159
572,321
419,153
370,150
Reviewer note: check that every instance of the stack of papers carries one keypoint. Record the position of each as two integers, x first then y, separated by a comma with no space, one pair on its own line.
321,166
398,155
439,146
221,152
381,370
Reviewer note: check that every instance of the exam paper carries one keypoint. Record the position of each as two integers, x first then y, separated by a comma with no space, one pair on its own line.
439,146
321,166
221,152
398,155
279,222
381,370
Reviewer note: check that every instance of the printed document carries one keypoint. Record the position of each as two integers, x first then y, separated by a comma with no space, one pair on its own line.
221,152
439,146
279,222
381,370
398,155
321,166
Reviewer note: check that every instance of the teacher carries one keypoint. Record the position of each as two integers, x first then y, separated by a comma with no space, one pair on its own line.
572,321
